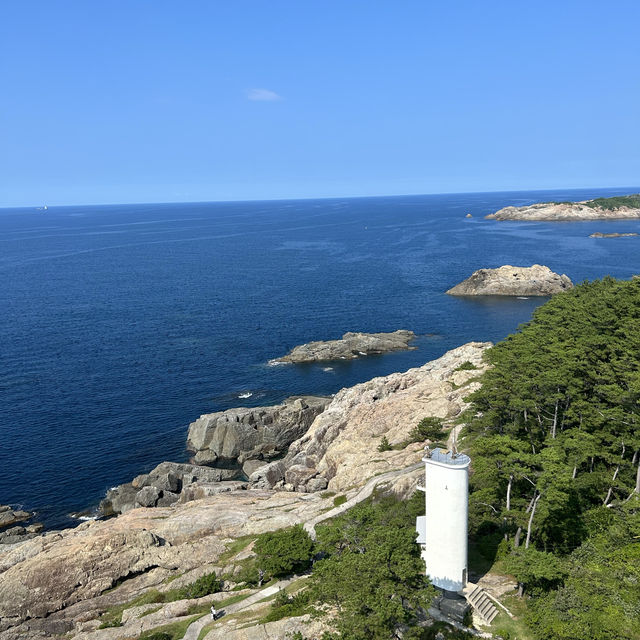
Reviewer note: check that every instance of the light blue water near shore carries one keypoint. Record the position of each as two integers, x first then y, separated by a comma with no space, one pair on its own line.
119,325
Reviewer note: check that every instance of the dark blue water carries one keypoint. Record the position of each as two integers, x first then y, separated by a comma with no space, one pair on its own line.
119,325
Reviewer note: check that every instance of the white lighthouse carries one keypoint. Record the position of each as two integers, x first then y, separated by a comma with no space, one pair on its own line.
442,531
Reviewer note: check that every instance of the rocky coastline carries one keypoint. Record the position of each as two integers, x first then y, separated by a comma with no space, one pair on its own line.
507,280
352,345
179,519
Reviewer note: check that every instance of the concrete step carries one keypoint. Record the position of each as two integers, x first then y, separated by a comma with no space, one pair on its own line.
480,601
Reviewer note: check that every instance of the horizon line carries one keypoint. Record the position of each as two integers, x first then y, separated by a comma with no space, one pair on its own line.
307,198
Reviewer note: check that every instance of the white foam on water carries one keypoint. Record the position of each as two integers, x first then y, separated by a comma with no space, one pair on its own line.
248,394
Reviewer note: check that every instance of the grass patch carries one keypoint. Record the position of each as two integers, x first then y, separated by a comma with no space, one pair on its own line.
112,617
338,500
512,628
203,586
286,606
173,631
327,494
235,547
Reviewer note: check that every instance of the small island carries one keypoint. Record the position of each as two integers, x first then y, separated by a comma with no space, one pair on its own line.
351,345
618,207
597,234
536,280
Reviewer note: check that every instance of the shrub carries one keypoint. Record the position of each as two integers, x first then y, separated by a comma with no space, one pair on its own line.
280,553
466,366
285,606
203,586
384,444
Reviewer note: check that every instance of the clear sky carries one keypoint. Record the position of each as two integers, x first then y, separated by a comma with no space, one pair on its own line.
108,101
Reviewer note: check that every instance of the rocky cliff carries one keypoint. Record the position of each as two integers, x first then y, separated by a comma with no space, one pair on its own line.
512,281
60,582
350,346
564,211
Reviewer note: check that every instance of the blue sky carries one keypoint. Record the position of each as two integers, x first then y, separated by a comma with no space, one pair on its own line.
157,101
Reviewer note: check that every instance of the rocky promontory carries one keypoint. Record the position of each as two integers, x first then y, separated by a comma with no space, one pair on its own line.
599,209
536,280
351,345
62,582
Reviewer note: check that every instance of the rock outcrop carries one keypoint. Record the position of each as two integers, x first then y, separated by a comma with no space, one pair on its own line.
161,487
260,433
350,346
597,234
512,281
551,211
11,532
340,450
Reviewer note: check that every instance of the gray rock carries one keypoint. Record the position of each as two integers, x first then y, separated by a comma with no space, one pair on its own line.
243,434
351,345
319,483
167,482
160,487
9,517
298,475
167,498
140,481
269,475
147,497
200,490
252,465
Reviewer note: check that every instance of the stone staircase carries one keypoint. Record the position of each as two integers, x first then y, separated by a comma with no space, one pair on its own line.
477,597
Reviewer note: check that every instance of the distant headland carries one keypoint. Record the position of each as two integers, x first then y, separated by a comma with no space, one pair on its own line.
599,209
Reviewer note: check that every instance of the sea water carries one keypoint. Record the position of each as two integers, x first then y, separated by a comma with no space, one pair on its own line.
119,325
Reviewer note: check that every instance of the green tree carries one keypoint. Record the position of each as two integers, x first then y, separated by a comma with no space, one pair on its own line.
283,552
429,428
372,571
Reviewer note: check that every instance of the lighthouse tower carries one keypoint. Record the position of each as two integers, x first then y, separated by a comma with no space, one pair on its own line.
442,531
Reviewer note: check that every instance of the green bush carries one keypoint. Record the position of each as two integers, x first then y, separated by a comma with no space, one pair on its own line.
466,366
384,445
283,552
338,500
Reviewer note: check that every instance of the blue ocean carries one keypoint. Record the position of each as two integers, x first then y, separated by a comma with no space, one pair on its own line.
119,325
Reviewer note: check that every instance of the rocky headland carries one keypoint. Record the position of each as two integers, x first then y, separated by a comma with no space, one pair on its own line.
619,207
350,346
536,280
61,582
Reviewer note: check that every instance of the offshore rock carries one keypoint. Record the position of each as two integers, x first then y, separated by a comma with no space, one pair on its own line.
598,234
512,281
245,434
350,346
